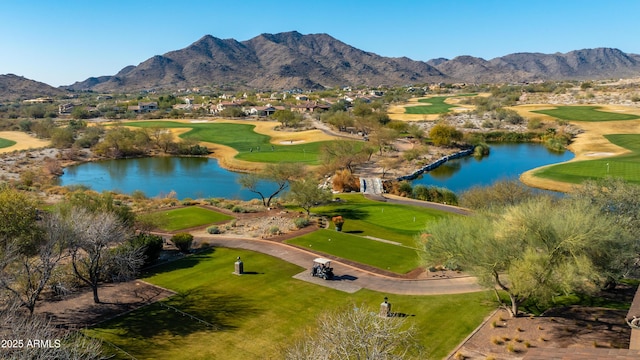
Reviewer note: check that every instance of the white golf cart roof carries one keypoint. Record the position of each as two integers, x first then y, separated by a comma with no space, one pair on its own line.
322,261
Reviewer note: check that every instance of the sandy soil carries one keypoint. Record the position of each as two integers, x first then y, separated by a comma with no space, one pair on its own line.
501,337
78,310
226,155
397,112
23,141
590,144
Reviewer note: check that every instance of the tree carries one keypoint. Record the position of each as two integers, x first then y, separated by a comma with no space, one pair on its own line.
356,333
28,328
544,247
62,138
161,137
442,134
280,174
307,194
287,118
389,163
95,234
25,275
342,155
621,200
499,194
18,217
382,137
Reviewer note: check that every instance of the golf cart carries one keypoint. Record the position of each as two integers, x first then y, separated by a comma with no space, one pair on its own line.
322,268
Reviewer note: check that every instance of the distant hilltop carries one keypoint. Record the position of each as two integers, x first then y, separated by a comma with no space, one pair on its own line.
315,61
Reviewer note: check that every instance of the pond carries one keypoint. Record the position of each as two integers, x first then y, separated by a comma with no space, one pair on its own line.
506,161
196,177
188,177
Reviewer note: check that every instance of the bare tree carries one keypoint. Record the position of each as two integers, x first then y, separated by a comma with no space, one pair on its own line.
280,174
96,234
356,333
25,275
35,338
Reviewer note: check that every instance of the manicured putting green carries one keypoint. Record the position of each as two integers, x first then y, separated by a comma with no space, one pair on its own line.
436,105
242,137
188,217
625,166
256,314
398,223
585,113
4,143
382,255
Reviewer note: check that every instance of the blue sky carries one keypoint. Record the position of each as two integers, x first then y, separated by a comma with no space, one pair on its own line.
62,41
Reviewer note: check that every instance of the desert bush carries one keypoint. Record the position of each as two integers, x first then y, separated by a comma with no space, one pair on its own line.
481,150
182,241
412,154
238,209
274,230
213,229
344,181
152,245
301,222
534,124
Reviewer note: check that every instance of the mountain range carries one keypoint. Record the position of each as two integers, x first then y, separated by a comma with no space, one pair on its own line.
315,61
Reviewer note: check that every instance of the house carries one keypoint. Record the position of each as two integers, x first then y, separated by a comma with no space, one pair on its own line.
41,100
143,107
309,107
302,98
224,105
261,111
65,108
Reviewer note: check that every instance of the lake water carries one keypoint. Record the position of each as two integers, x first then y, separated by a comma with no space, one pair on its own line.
189,177
196,177
506,161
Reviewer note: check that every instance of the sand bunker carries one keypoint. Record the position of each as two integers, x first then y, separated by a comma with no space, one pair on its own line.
291,142
23,141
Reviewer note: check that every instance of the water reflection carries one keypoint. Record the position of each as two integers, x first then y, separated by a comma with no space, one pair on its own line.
192,177
506,161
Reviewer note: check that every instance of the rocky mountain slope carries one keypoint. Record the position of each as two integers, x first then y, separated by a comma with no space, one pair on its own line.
13,87
290,60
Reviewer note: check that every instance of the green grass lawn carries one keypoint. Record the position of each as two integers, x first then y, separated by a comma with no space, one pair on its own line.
242,137
386,256
436,105
257,313
399,223
624,166
6,143
188,217
585,113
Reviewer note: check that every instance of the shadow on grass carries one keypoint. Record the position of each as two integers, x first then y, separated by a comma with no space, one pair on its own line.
138,328
184,262
348,213
353,232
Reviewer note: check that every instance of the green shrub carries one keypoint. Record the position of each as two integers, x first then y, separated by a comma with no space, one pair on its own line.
213,229
301,222
152,246
274,230
188,202
481,150
238,209
182,241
